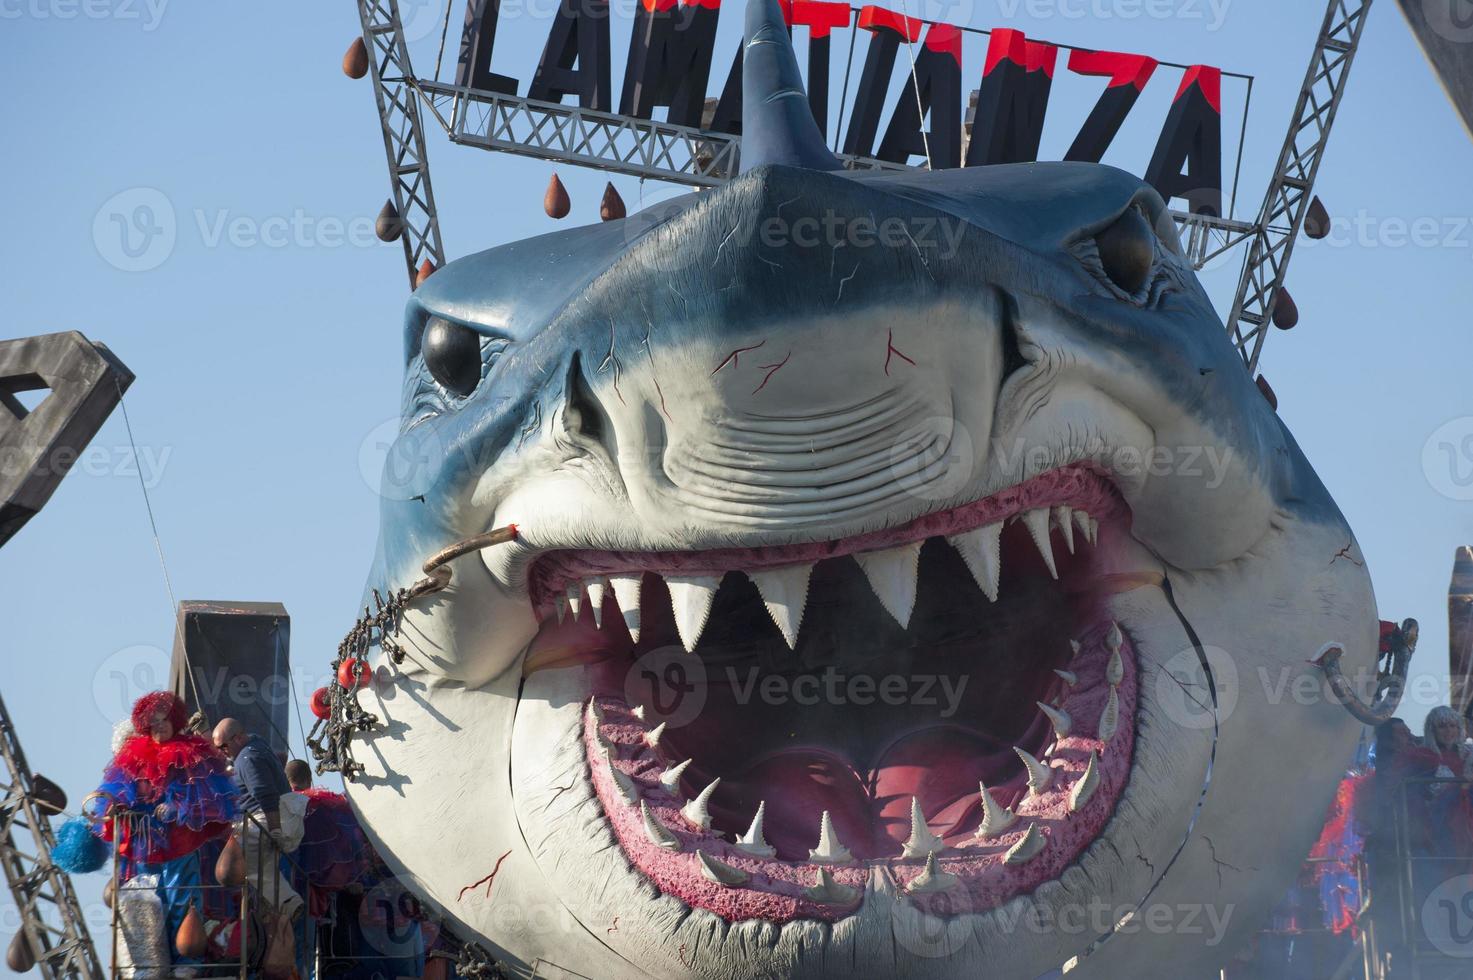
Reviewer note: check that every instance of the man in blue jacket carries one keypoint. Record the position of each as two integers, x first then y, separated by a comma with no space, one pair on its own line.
268,828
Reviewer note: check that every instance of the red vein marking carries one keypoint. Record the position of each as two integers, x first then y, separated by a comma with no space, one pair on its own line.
614,927
771,369
488,881
891,349
734,358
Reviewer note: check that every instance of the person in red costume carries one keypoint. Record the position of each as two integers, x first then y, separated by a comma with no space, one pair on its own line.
165,794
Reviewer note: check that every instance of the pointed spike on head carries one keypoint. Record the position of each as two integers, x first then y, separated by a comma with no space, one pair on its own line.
555,201
777,124
426,269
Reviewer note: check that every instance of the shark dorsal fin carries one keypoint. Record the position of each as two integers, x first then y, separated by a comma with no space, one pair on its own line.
777,125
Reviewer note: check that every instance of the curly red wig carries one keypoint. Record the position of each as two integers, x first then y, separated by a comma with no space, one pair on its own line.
149,705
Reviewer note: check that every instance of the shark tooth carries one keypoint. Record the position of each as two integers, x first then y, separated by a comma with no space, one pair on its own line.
720,872
785,593
995,819
1113,637
658,834
1114,669
638,711
1084,787
1067,676
670,778
653,736
1061,517
623,782
1109,717
1037,521
921,841
697,811
981,549
595,711
690,598
1094,531
753,842
931,880
626,594
830,849
1081,521
826,891
560,606
1074,647
892,574
1027,848
596,588
1059,718
575,598
1039,775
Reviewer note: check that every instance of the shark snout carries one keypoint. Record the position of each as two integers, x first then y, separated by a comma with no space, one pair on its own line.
811,419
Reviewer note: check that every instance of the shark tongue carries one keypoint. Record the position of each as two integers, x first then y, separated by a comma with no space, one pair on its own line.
797,785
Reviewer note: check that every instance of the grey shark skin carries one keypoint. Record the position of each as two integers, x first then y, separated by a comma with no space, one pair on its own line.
642,386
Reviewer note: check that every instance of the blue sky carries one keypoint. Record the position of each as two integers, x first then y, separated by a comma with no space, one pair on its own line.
266,339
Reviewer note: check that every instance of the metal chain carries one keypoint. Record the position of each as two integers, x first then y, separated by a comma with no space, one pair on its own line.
331,738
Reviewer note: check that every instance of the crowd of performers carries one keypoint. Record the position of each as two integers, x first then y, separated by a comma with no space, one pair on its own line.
197,822
1401,826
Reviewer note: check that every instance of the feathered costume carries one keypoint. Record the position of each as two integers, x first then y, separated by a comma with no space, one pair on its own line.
179,787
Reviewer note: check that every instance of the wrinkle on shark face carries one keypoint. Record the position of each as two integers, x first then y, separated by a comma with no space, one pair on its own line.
874,530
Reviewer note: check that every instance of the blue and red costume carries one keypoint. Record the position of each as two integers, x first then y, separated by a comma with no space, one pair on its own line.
167,793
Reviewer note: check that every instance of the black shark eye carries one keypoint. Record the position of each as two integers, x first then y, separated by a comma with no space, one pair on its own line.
452,354
1128,250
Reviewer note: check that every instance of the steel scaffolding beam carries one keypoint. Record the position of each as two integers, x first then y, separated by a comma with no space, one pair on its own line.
1291,188
679,154
404,139
51,916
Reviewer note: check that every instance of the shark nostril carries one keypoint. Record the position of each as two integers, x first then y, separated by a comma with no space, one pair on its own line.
583,415
1012,354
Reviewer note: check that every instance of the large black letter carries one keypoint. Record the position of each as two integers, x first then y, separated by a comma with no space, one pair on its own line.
1128,75
1012,100
1188,158
887,30
476,40
935,87
820,17
579,35
670,59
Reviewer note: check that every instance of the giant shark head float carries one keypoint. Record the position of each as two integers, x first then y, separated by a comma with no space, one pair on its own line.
909,581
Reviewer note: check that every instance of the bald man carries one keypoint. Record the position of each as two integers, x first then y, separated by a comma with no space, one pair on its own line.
268,828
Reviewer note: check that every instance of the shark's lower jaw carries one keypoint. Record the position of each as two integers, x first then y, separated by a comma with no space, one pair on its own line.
947,703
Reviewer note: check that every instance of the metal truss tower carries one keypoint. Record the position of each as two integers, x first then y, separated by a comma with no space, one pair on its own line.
1290,190
51,917
404,138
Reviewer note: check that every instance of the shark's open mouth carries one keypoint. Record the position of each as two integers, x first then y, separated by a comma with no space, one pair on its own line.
948,701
